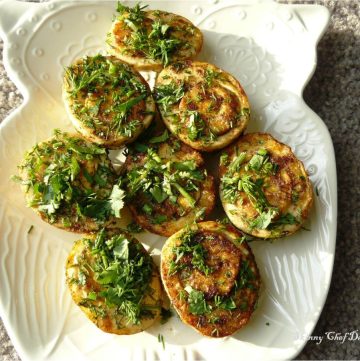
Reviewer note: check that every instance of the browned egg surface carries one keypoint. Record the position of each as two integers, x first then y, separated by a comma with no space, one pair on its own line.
264,188
202,105
211,278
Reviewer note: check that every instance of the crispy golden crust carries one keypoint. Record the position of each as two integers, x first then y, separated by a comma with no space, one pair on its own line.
178,214
287,190
180,28
33,170
95,113
80,264
213,111
234,279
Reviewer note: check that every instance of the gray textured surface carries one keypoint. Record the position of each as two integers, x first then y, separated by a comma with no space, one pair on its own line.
334,94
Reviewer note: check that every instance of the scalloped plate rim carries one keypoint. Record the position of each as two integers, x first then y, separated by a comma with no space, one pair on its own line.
27,100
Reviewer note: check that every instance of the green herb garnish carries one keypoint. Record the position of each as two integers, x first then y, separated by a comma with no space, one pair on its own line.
260,163
161,138
158,180
190,247
196,300
168,94
156,42
232,184
245,276
124,271
133,227
57,174
103,93
161,340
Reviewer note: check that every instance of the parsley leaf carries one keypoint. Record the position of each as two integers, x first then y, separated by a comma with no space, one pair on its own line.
161,138
263,220
197,303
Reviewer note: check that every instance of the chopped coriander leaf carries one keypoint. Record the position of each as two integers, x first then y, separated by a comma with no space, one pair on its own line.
232,184
244,112
161,138
133,227
245,276
155,181
168,94
159,218
260,163
245,238
210,75
225,221
190,247
147,209
264,219
196,126
92,296
158,193
123,271
254,192
237,162
135,14
155,42
185,194
186,165
196,300
286,218
225,303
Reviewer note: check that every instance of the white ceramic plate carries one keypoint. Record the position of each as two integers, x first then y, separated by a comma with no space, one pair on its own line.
270,48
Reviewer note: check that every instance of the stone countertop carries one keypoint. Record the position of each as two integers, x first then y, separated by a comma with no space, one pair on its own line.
334,94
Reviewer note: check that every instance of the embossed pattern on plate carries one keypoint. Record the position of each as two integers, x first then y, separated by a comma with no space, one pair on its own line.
270,48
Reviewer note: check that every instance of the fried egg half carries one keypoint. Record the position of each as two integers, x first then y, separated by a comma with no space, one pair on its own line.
264,188
166,185
202,105
149,40
211,278
108,101
115,282
69,182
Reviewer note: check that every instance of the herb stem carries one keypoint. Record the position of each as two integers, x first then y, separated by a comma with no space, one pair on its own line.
185,194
